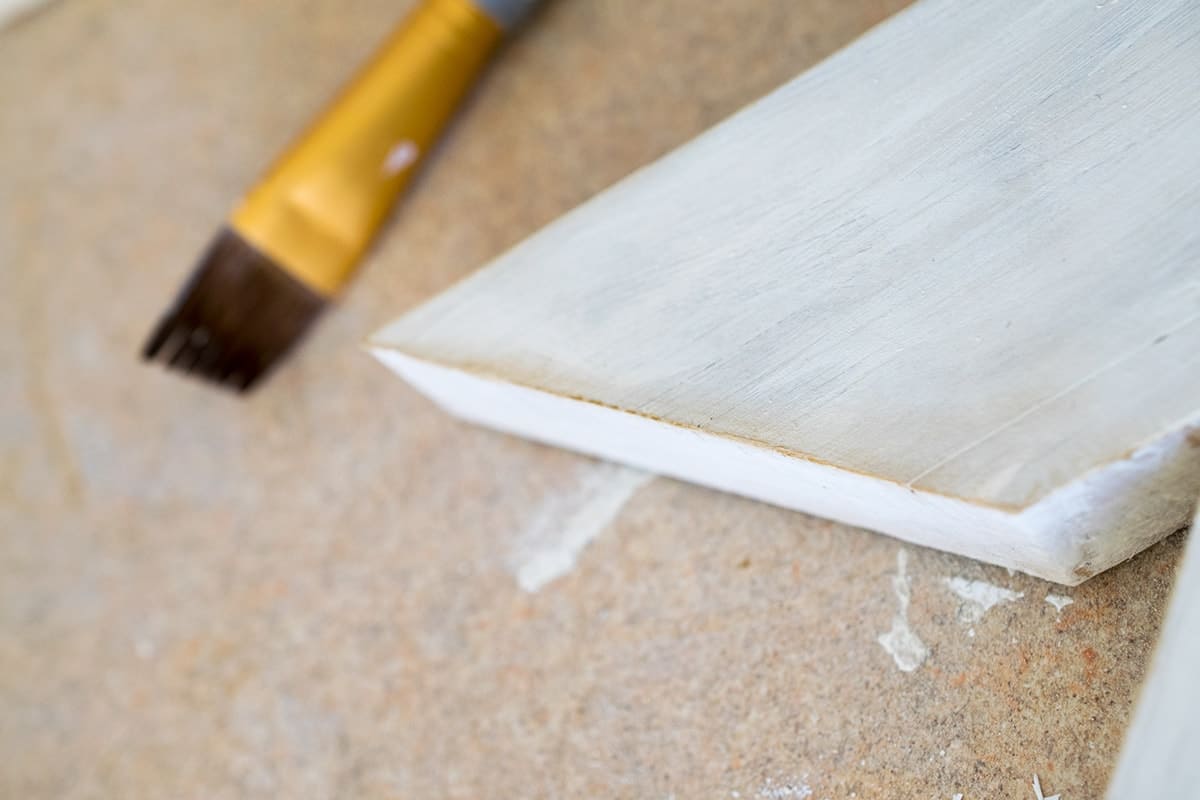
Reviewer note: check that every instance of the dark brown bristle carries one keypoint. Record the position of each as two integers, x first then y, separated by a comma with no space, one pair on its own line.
237,315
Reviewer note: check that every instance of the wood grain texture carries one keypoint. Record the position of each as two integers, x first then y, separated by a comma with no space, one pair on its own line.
954,267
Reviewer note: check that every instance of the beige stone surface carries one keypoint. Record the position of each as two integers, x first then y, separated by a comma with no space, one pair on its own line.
311,592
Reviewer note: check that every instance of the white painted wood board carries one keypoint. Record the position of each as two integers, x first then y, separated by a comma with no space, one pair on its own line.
945,285
1159,760
12,10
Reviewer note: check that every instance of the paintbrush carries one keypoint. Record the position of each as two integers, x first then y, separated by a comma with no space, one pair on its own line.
293,241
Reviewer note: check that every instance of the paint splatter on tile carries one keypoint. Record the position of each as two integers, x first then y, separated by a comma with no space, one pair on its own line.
901,643
978,597
1037,790
566,523
1059,601
785,790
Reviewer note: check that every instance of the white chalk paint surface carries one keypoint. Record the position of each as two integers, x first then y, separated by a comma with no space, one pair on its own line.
566,523
694,328
978,597
1059,601
904,646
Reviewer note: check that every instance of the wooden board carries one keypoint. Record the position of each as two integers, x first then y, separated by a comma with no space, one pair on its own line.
944,285
1159,758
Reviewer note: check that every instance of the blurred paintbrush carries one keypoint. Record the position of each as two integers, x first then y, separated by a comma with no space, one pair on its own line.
295,238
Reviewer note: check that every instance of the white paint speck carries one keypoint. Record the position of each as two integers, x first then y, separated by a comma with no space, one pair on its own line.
144,647
957,796
402,156
1037,790
798,789
1059,601
564,524
904,646
978,597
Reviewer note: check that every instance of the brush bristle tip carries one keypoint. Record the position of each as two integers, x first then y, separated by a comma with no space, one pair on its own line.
236,317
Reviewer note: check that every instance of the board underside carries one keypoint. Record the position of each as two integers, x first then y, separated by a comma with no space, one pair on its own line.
1158,759
945,285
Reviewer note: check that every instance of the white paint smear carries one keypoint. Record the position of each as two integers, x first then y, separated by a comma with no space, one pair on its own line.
1059,601
793,788
978,597
904,646
1037,790
400,157
566,523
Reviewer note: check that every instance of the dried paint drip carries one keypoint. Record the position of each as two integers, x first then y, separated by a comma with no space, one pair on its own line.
1059,601
564,524
904,646
1037,790
978,597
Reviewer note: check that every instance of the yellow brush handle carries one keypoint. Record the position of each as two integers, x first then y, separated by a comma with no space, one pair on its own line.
317,208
